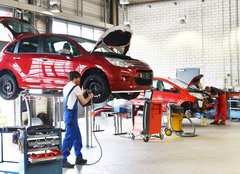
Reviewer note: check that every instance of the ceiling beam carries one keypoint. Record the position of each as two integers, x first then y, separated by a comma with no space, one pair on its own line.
60,15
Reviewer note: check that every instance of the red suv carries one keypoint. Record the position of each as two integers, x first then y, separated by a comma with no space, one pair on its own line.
43,61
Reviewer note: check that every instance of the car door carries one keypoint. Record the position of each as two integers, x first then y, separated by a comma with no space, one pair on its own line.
166,93
26,61
58,59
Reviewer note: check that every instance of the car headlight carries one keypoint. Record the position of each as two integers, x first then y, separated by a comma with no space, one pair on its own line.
197,95
119,62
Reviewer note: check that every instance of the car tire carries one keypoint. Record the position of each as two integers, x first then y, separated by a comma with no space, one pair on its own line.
9,89
128,96
100,87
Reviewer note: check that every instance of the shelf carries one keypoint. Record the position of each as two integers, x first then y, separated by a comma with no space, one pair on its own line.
35,143
42,136
37,160
42,149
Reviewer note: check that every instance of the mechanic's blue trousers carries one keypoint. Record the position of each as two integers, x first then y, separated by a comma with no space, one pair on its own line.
72,136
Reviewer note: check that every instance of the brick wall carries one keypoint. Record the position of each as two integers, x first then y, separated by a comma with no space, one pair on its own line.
207,41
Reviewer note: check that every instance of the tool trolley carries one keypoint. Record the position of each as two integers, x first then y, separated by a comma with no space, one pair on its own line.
150,123
40,150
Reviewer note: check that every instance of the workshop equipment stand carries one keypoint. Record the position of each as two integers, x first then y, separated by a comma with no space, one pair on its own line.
40,151
118,116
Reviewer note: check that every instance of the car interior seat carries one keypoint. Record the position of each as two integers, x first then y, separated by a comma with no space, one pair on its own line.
67,46
26,48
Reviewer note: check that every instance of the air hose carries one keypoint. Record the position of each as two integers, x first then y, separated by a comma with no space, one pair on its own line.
101,151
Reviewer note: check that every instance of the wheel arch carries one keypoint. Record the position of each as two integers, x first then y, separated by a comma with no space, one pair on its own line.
91,72
7,71
187,105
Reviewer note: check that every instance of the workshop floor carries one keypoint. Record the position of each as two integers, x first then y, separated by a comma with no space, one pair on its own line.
216,150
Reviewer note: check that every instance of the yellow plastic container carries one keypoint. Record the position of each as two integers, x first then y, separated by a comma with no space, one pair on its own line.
176,119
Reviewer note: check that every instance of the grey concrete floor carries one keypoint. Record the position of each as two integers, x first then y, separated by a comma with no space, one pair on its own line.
215,149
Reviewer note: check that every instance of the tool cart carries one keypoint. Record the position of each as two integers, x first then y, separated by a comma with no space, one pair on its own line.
40,149
150,123
234,108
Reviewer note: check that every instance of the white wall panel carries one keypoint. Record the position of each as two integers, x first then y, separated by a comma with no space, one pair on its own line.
207,41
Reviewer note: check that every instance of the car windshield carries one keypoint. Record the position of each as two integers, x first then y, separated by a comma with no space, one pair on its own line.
179,83
88,45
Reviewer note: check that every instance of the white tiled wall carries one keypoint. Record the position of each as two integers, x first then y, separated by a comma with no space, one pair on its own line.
207,41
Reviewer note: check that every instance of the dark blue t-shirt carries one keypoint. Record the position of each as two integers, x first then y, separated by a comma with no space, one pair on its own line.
216,91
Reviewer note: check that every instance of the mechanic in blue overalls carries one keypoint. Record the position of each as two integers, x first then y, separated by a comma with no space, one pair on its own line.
72,93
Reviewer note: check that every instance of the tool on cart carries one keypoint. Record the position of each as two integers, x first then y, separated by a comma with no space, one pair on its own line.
150,124
175,115
40,149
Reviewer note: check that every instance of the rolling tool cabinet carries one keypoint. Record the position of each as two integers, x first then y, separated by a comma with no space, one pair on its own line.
234,108
40,151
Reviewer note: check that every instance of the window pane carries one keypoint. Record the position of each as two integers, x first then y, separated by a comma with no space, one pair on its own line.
58,45
28,45
87,32
74,30
6,112
97,34
59,27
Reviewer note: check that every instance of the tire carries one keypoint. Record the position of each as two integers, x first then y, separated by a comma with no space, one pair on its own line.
9,89
100,87
128,96
133,137
168,132
146,139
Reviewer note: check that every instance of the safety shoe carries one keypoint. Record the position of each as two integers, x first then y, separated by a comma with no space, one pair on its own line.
214,123
80,161
222,123
68,165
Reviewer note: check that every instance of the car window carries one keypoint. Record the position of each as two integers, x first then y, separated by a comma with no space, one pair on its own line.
159,85
11,47
28,45
57,45
20,26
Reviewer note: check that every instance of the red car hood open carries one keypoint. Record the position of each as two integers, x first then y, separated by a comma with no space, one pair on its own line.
195,80
116,37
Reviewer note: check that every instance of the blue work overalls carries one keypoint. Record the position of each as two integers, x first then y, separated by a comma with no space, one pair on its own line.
72,135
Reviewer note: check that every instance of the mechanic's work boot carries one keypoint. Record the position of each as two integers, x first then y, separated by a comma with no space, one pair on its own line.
214,123
222,123
68,165
80,161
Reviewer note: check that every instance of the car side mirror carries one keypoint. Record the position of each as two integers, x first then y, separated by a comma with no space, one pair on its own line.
66,53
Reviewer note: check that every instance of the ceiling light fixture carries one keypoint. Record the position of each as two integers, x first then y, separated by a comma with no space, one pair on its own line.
123,2
55,8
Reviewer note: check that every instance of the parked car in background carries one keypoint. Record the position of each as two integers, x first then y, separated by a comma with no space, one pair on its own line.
43,61
189,96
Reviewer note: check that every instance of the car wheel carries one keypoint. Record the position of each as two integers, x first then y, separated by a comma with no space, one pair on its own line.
128,96
99,86
8,87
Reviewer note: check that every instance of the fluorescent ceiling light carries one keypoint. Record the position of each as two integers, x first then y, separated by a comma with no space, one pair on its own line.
123,2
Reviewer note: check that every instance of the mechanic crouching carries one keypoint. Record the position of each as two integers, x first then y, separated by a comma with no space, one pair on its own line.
72,93
221,104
